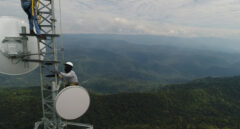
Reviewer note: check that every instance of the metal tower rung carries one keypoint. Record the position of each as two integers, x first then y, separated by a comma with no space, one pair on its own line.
45,12
49,101
45,25
50,75
50,35
48,63
25,34
41,61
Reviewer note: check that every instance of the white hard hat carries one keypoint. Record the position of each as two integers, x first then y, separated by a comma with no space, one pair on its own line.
69,63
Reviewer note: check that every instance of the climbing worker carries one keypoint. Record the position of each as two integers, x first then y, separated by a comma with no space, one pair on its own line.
69,76
27,6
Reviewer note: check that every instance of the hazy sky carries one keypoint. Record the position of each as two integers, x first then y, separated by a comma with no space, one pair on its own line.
188,18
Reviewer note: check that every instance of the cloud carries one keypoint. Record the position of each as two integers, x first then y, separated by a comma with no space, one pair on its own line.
11,8
188,18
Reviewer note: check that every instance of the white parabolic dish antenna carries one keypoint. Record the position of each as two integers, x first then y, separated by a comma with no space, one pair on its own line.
72,102
11,48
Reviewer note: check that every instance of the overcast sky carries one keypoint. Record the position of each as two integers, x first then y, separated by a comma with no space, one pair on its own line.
187,18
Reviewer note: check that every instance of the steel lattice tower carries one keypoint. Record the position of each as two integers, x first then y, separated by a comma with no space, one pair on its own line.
49,80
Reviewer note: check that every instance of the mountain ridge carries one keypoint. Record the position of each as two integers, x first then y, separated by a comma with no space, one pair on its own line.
99,61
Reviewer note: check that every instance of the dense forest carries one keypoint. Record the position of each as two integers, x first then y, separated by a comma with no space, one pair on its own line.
209,103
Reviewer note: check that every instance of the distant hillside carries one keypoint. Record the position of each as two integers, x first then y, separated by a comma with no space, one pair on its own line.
210,103
199,43
104,60
113,64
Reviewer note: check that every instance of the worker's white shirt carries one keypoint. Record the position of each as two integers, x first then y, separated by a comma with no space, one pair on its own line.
70,77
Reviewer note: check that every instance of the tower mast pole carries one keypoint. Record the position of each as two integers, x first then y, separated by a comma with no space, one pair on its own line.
48,66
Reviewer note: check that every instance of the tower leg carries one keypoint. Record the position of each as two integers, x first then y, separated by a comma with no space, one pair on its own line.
37,124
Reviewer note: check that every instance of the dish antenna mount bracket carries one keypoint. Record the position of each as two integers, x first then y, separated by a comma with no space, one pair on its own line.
15,47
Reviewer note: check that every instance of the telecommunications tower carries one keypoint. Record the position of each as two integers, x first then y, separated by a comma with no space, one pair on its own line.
21,53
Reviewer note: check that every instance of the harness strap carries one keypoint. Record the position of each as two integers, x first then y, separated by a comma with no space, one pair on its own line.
32,7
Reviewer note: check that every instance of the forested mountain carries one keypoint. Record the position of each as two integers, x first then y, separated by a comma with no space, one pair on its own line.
209,103
118,63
